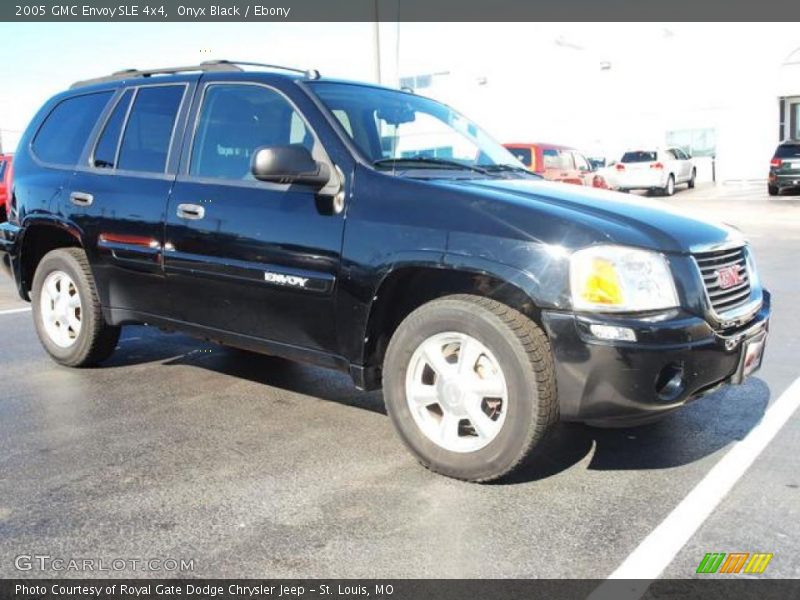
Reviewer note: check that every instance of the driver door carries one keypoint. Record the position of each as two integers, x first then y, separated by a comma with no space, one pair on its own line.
243,256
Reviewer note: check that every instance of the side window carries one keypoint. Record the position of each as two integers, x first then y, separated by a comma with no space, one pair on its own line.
555,159
580,162
66,129
105,153
672,155
148,133
235,120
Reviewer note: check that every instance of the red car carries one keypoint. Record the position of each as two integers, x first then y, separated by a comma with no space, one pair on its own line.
6,171
557,163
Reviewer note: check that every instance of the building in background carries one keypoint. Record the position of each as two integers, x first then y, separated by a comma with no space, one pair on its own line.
727,93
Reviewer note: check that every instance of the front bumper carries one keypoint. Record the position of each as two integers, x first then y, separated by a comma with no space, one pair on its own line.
676,358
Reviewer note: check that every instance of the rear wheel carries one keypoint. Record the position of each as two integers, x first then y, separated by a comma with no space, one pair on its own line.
773,190
469,384
669,189
693,179
66,310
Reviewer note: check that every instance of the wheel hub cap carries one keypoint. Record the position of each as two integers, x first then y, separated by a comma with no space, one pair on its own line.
452,394
61,309
456,392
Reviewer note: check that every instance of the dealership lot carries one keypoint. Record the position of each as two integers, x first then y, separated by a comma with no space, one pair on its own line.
254,466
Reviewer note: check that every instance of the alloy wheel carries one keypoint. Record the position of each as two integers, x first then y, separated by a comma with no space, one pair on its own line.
456,392
61,309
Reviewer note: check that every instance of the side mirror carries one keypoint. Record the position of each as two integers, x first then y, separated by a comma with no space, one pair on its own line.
288,164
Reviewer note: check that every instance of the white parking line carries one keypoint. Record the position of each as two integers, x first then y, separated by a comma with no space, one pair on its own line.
659,549
13,311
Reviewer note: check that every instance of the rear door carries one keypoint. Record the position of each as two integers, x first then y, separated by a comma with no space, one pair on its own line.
558,165
683,167
247,257
119,193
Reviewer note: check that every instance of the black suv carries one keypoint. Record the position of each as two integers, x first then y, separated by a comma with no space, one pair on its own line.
377,232
784,168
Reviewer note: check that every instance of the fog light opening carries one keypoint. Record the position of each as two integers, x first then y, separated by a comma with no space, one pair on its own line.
670,383
612,332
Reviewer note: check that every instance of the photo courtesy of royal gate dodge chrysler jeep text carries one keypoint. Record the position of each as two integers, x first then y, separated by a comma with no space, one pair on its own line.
377,232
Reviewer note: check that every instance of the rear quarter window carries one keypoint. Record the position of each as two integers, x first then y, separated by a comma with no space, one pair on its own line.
65,131
639,156
523,155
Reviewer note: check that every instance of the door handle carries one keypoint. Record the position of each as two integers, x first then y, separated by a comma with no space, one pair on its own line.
191,211
81,199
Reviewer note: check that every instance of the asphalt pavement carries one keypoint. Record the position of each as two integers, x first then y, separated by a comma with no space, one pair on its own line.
253,466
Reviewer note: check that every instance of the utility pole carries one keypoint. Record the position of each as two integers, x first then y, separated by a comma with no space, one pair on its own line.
377,39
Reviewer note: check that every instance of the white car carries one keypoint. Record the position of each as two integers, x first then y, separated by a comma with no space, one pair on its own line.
654,170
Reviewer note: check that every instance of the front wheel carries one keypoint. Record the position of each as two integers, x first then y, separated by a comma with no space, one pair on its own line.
66,310
693,180
469,384
773,190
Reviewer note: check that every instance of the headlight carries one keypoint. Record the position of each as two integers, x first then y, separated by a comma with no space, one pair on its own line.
620,279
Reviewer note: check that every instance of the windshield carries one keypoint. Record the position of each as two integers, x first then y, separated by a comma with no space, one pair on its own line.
394,129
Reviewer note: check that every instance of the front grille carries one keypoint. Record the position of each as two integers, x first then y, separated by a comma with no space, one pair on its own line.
725,300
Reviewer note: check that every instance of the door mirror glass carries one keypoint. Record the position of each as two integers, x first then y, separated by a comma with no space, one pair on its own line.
289,164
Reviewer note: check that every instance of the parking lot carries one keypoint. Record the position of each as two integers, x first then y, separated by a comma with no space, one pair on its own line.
253,466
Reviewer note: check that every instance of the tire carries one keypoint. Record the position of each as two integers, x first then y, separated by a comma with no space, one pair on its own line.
523,413
74,337
773,190
669,189
692,181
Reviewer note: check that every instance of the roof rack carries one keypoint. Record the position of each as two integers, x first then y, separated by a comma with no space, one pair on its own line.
308,73
207,66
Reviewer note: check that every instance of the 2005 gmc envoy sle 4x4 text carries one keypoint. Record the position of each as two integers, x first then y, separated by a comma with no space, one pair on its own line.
377,232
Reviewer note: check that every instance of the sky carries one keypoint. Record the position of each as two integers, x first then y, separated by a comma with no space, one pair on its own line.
520,81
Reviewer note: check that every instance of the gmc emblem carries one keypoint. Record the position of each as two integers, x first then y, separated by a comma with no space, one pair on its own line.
729,277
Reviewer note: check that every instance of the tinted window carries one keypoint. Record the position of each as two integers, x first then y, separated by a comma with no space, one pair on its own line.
3,164
787,151
523,155
680,154
638,156
148,133
66,129
234,121
105,153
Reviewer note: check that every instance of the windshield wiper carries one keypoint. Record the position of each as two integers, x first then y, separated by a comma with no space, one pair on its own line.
508,169
428,160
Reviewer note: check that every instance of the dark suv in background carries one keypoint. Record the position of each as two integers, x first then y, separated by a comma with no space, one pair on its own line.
377,232
784,168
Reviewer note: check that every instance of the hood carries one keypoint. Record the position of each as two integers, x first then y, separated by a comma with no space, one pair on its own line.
548,210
